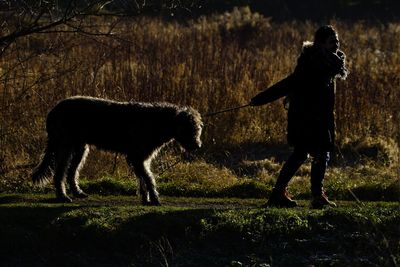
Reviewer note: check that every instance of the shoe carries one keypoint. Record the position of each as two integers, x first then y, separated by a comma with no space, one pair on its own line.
281,199
322,201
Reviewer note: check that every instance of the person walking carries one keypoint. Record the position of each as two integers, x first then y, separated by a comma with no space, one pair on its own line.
310,97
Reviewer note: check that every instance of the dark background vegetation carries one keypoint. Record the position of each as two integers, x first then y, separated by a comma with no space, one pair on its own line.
279,10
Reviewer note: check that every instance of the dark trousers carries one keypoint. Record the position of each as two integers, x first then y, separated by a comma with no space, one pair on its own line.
296,159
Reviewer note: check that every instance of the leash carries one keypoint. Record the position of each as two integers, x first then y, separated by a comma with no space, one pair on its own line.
170,166
225,110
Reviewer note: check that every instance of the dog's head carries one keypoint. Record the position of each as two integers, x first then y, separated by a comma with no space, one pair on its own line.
188,128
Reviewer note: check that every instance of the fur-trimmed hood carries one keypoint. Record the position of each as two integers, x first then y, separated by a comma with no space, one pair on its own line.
334,63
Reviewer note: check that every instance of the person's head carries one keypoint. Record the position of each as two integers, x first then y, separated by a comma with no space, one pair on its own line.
327,37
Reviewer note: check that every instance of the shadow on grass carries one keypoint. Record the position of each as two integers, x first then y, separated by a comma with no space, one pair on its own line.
50,235
10,199
91,236
15,198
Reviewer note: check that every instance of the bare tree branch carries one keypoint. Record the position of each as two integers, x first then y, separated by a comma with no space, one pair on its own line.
38,18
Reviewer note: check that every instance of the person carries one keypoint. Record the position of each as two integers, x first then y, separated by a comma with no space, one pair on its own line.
310,96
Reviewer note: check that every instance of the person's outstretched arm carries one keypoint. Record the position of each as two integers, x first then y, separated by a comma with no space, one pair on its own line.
276,91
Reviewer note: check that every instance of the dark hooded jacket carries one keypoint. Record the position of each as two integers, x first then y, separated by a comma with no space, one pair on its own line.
310,95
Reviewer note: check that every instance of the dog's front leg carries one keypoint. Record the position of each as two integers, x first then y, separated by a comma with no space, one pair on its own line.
148,190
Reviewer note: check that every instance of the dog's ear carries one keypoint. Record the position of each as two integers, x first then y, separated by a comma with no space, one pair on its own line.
181,120
188,116
183,117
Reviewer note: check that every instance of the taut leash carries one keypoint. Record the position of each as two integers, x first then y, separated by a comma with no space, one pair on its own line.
205,115
225,110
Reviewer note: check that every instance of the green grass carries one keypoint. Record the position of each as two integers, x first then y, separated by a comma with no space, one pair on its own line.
117,231
365,189
212,215
341,184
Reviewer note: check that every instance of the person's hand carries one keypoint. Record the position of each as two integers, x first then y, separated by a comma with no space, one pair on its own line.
252,102
341,55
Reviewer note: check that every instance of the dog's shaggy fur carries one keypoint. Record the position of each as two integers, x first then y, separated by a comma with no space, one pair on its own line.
137,130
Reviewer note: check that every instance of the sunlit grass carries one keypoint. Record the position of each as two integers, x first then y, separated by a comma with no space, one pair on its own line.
200,179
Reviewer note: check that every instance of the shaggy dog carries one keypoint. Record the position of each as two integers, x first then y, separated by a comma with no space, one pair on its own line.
137,130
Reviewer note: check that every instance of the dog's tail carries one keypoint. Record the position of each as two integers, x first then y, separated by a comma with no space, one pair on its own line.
43,172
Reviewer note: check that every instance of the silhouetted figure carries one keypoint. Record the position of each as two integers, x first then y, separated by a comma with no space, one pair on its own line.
310,97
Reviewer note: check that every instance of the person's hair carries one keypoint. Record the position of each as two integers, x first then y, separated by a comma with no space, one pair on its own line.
323,33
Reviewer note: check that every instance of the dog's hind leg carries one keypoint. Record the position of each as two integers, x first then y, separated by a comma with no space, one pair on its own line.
63,158
78,160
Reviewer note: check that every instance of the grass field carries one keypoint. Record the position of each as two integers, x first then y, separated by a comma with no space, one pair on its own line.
117,231
226,224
